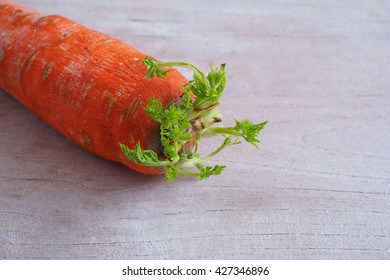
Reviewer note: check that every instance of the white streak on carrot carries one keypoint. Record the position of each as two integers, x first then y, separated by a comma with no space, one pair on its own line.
85,89
74,68
104,93
133,110
132,139
123,116
64,47
110,104
47,70
54,20
19,73
84,139
65,35
4,39
29,63
26,17
48,20
105,41
143,132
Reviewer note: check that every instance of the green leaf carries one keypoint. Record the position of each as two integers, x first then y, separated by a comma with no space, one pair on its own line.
185,137
140,156
249,130
207,171
155,109
217,79
171,173
209,90
172,116
185,103
154,69
199,86
130,154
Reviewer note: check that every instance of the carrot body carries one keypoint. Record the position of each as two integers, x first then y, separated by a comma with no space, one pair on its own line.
88,86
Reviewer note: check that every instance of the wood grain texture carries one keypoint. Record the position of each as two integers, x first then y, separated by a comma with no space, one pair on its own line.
318,188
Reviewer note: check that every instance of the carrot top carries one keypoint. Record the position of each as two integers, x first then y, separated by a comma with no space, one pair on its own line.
187,120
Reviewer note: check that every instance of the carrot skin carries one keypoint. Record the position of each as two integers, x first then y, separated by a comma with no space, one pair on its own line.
88,86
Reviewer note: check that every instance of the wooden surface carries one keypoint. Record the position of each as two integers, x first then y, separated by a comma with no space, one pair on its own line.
317,189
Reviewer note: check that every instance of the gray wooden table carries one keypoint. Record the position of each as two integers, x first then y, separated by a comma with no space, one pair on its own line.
317,189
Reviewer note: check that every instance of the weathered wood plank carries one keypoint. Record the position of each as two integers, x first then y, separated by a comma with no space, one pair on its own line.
318,188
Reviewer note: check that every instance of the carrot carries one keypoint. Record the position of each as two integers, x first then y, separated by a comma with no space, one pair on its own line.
110,98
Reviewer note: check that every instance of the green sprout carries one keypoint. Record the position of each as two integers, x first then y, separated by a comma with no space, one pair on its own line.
184,123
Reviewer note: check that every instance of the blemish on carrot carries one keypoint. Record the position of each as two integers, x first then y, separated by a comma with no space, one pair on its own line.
131,138
30,62
46,20
105,41
47,70
134,108
54,20
143,132
123,116
131,111
19,73
110,104
25,18
85,140
88,142
85,89
1,54
104,93
11,17
65,35
63,47
42,19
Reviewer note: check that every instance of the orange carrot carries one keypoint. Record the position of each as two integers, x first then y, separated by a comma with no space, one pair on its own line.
87,85
92,88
